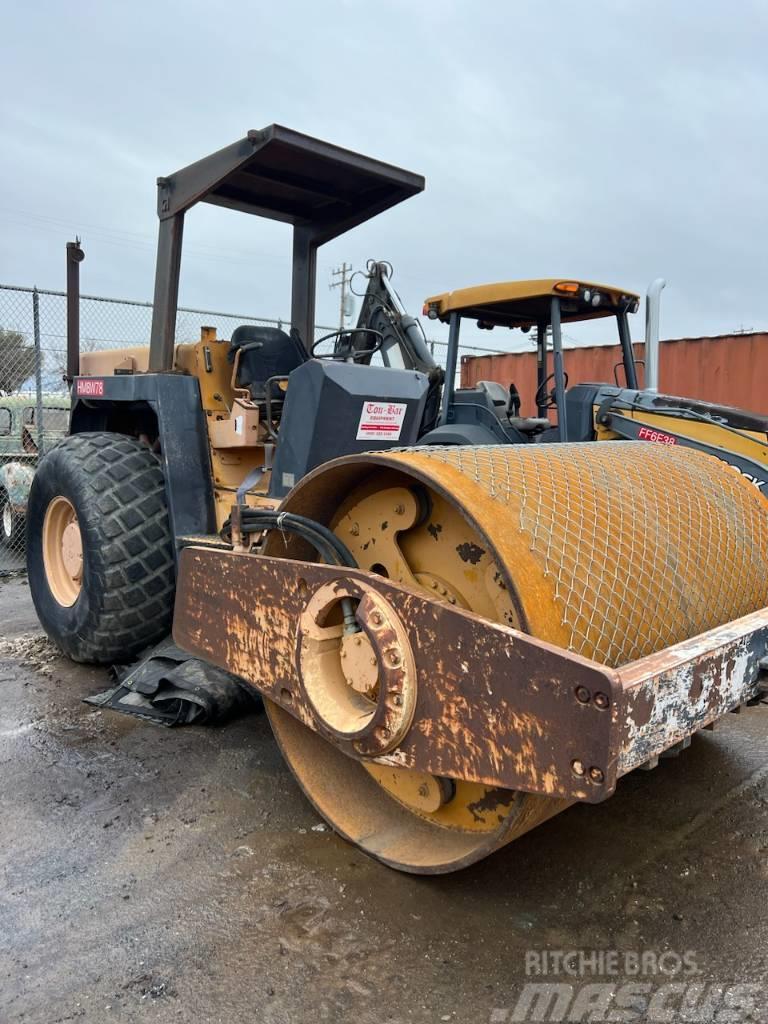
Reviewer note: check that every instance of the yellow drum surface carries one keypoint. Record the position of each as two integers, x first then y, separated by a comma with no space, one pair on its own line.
615,550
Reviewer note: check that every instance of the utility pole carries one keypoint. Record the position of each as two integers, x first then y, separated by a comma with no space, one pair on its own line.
342,272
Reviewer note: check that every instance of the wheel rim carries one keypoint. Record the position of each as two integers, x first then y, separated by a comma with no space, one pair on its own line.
7,520
63,551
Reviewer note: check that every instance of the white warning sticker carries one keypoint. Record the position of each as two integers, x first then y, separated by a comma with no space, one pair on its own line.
381,421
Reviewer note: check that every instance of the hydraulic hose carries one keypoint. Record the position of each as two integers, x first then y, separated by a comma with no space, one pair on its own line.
323,540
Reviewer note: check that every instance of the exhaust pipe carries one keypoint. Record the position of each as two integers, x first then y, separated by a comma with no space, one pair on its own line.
652,308
75,257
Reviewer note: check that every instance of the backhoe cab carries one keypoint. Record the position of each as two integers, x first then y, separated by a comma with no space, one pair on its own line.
585,411
544,305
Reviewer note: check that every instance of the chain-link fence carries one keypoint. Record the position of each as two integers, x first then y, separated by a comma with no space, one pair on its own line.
34,399
33,321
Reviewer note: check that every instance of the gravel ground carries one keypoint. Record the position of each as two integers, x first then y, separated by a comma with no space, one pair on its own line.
179,875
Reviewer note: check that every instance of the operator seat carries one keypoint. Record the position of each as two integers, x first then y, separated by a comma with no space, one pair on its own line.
265,352
503,403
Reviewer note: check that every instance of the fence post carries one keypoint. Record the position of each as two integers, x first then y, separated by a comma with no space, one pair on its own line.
38,371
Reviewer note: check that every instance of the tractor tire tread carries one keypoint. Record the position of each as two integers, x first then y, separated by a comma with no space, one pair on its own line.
127,538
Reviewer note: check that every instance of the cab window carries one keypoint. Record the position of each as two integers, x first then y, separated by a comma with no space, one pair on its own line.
5,422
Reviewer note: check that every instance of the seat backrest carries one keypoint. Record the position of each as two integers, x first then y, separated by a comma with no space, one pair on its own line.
264,352
497,393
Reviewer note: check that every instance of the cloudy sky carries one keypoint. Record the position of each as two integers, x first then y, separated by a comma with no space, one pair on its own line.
612,141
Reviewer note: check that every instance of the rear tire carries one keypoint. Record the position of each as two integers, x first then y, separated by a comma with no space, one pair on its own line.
121,601
11,524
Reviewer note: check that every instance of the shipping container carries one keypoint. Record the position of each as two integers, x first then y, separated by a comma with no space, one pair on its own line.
730,369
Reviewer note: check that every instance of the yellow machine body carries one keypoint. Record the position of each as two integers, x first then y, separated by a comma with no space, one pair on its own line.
237,435
457,642
752,444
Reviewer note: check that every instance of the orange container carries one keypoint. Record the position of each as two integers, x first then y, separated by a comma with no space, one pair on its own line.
729,369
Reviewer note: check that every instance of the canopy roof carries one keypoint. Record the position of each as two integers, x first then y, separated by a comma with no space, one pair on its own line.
287,176
526,303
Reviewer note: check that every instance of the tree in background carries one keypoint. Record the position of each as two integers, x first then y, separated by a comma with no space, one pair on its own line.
17,360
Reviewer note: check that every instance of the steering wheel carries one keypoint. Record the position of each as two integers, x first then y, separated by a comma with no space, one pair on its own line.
541,398
350,353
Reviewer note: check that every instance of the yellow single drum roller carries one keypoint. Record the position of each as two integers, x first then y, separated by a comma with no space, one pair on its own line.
613,551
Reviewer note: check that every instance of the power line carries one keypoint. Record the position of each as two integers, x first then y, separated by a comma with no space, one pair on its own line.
125,239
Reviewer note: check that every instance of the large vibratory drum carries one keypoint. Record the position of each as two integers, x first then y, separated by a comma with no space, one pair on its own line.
611,550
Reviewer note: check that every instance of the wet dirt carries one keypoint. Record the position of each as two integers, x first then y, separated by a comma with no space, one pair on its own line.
179,875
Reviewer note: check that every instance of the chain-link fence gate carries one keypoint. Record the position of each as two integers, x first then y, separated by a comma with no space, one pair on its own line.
34,399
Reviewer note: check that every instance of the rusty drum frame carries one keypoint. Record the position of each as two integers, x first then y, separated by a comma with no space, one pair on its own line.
462,697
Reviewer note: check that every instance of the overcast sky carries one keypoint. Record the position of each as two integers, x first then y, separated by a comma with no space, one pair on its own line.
611,141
